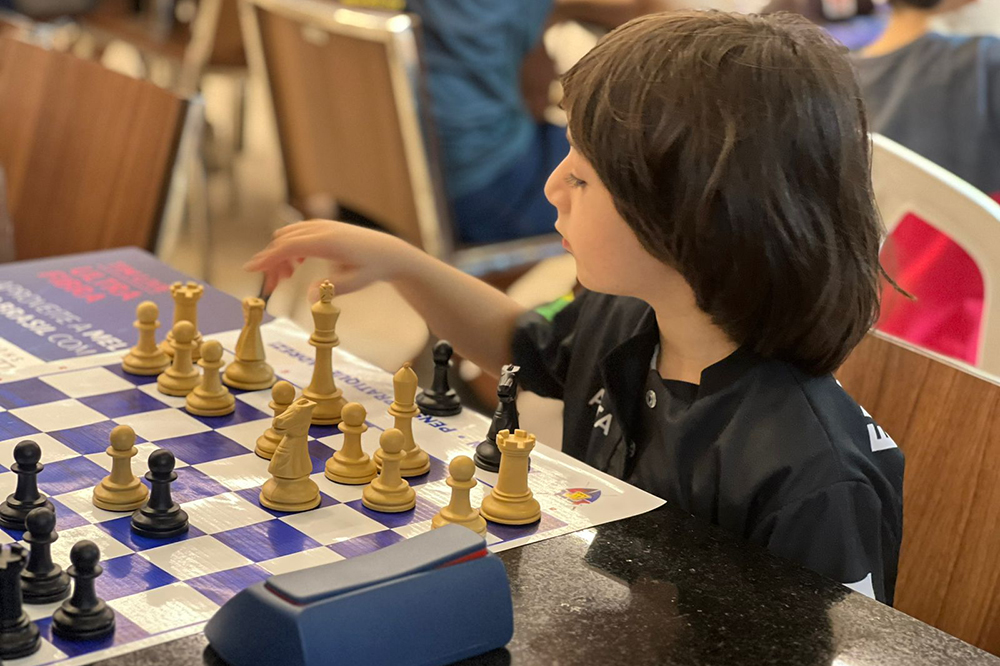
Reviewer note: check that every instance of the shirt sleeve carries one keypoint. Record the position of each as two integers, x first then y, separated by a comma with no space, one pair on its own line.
543,343
835,532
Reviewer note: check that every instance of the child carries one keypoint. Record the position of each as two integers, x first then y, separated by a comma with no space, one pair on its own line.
717,200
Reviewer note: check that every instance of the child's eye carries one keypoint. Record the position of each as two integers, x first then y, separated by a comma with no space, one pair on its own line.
573,181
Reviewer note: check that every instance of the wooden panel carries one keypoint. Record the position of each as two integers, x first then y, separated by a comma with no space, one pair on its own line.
88,152
947,422
227,47
337,122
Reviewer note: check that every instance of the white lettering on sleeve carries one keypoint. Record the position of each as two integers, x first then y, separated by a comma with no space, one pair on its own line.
597,398
879,438
604,423
863,586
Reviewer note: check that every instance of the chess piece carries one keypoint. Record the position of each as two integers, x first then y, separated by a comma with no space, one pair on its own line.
459,510
210,397
282,395
250,371
505,417
181,377
121,490
350,464
322,389
25,497
160,517
84,616
146,358
440,399
290,488
403,409
19,636
389,492
42,581
186,297
511,501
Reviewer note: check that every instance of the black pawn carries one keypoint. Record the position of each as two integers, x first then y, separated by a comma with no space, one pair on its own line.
84,616
504,418
18,634
42,581
160,517
26,496
440,399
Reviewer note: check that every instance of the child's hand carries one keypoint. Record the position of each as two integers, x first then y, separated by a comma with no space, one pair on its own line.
358,256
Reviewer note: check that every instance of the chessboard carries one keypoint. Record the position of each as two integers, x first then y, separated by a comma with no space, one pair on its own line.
166,588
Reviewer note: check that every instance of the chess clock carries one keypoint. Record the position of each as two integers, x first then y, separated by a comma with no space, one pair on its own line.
436,598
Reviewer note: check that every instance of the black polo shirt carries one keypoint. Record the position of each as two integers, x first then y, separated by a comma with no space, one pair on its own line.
779,457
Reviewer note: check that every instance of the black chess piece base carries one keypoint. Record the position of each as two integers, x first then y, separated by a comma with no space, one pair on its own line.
436,404
44,589
19,639
488,456
72,624
157,525
14,511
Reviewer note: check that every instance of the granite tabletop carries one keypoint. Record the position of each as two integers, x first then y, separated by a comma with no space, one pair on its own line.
664,588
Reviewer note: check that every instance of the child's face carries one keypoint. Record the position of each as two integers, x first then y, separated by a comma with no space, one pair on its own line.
609,257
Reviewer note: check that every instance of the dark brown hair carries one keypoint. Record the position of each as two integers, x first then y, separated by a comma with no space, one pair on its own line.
736,148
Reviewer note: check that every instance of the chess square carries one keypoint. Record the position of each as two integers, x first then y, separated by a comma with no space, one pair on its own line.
52,450
130,574
237,472
172,400
323,431
192,484
163,424
28,392
196,557
241,414
125,632
438,471
11,426
138,380
93,438
511,532
223,586
140,462
202,447
259,400
338,491
223,512
252,495
83,383
81,503
424,510
58,415
365,544
246,434
65,476
266,540
165,608
331,524
302,560
413,529
110,547
38,612
66,518
319,453
121,530
122,403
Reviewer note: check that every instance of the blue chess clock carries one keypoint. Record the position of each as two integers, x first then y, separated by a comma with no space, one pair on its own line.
433,599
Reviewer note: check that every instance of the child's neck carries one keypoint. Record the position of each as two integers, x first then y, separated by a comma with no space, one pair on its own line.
689,343
905,26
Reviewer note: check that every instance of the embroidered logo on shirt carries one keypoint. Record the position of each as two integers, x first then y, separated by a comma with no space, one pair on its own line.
578,496
550,310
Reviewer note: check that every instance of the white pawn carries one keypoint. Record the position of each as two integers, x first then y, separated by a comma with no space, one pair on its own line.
351,465
459,510
282,395
389,492
121,490
146,358
181,377
210,398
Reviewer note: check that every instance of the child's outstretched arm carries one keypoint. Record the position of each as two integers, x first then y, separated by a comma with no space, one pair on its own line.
476,318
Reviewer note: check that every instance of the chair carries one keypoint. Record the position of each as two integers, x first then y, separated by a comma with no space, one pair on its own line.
944,416
91,156
352,120
905,183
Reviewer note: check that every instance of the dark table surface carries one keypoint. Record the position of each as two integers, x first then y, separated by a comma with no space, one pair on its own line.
663,588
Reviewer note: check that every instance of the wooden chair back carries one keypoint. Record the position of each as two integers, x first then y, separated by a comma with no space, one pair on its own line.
89,154
346,88
945,417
